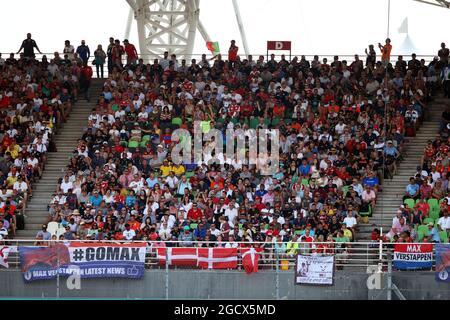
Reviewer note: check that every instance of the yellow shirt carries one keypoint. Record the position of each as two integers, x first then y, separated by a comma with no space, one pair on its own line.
11,180
179,170
14,151
348,234
165,170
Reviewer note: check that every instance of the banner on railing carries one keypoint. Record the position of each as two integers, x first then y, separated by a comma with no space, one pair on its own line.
408,256
89,260
443,262
314,270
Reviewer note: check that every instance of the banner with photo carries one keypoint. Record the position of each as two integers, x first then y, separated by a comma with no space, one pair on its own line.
443,262
408,256
89,260
314,270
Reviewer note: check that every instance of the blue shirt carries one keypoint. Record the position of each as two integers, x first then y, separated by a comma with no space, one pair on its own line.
412,189
83,52
96,200
304,169
371,182
151,182
390,151
260,193
130,201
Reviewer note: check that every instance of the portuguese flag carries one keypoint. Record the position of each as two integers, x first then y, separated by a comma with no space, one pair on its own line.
213,47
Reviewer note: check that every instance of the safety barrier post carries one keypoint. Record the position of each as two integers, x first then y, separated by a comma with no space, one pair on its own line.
167,273
277,280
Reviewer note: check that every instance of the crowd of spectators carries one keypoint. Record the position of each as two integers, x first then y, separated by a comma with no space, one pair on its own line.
424,214
35,98
342,128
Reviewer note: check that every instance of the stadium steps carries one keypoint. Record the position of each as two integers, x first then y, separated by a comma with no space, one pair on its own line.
36,212
391,198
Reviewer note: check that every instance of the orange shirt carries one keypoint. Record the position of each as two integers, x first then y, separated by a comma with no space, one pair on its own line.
386,52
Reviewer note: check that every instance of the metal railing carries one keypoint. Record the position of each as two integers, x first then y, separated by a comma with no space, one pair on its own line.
353,255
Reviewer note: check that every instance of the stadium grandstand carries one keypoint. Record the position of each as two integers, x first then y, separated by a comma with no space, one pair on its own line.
88,153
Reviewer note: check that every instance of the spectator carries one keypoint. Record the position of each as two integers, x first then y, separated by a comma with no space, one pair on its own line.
386,52
68,50
85,80
84,52
130,50
28,45
100,58
44,234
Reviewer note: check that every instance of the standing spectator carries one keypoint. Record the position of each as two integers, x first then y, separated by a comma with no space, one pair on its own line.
445,76
132,54
443,54
371,56
84,52
109,54
116,53
28,46
233,53
85,80
100,57
69,50
385,52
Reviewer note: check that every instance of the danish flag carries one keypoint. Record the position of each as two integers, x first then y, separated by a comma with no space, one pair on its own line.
250,259
186,257
217,258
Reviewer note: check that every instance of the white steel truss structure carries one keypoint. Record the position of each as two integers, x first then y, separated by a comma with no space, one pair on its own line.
167,25
439,3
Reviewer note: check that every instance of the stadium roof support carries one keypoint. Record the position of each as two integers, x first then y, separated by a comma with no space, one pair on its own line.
438,3
167,25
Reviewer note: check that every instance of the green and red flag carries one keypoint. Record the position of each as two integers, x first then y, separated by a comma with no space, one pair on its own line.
213,47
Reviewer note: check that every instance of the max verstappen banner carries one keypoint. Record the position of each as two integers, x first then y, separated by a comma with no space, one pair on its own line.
443,262
90,260
315,270
413,256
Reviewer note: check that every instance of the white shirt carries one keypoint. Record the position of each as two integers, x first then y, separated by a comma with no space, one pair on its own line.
129,234
444,222
172,181
350,221
65,186
136,185
20,186
215,232
231,214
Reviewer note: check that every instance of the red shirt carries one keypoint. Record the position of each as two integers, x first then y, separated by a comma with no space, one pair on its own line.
232,53
87,72
195,214
131,51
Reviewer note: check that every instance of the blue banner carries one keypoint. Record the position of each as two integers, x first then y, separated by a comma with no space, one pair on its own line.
88,260
443,262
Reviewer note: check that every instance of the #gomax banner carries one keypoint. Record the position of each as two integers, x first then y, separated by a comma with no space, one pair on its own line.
413,256
314,270
89,260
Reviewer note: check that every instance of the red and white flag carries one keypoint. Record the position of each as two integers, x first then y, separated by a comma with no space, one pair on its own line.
250,259
186,257
217,258
4,253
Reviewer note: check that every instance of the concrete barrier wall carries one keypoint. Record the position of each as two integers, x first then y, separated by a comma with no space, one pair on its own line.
220,285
